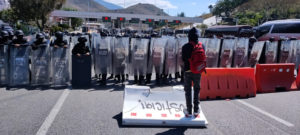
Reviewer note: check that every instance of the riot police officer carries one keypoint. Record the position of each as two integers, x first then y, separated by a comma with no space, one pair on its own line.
80,48
20,40
60,42
40,39
4,38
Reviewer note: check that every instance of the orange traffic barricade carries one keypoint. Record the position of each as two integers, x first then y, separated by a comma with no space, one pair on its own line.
228,83
273,77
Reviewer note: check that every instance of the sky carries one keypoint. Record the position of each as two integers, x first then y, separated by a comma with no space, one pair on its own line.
191,8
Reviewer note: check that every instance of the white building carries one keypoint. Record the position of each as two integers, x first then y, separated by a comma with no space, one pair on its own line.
4,4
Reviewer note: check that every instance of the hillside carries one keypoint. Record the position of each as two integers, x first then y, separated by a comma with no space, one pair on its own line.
108,5
284,8
146,9
96,6
83,5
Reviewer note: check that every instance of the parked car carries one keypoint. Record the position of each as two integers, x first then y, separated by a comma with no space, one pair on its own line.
280,29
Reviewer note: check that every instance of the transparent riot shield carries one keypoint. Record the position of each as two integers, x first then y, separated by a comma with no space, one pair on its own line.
19,65
170,63
40,65
74,40
103,55
120,55
241,52
227,52
60,69
180,43
150,57
256,53
87,43
271,52
139,50
158,55
296,53
95,37
286,52
212,48
204,41
3,64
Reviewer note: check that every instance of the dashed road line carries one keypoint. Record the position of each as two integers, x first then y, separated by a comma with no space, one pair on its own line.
53,113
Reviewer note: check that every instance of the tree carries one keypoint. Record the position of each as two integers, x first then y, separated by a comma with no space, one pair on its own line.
75,22
226,7
35,10
181,14
8,16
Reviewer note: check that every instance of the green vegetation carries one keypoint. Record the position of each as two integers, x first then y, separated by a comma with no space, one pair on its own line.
75,22
34,10
255,12
181,14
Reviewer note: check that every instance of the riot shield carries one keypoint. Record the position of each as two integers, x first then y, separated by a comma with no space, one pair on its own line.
95,37
139,56
227,52
204,41
81,71
87,43
286,52
180,43
241,53
271,52
40,65
150,57
256,53
19,65
3,64
170,63
212,52
74,41
103,55
60,71
120,55
158,55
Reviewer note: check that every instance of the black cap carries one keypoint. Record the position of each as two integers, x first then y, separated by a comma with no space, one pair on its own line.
19,33
82,39
193,35
40,36
4,34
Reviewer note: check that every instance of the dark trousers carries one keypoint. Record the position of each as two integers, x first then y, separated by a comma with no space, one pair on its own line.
189,77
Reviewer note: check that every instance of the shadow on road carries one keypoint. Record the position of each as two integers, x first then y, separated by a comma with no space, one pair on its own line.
175,131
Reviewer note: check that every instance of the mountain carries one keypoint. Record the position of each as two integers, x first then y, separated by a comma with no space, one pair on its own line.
108,5
146,9
82,5
85,5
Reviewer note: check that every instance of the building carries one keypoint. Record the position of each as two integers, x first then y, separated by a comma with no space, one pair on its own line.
4,4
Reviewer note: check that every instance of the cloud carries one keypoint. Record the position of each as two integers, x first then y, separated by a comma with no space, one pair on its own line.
194,3
164,4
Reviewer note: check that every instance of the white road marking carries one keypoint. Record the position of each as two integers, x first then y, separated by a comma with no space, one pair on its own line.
266,113
50,118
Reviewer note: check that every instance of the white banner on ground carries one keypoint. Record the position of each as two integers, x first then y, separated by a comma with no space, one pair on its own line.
144,107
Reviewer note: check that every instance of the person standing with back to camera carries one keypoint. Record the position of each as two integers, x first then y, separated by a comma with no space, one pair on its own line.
193,56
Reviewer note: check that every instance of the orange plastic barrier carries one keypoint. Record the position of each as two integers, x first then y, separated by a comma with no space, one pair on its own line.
272,77
228,83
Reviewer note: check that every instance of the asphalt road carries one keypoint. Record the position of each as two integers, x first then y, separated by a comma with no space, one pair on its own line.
98,111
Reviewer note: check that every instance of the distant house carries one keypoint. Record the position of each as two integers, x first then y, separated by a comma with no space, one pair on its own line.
4,4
